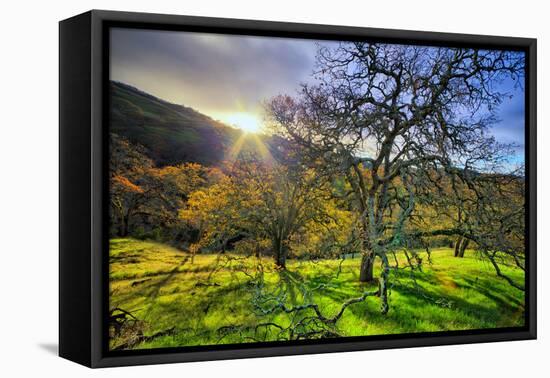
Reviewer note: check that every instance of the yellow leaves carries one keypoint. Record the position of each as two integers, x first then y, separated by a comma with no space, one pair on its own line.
266,203
184,177
194,248
206,205
215,175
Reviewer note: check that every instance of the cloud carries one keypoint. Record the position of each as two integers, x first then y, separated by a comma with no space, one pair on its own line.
210,72
511,126
220,75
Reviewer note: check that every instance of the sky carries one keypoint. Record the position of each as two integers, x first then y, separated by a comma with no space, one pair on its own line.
222,76
228,77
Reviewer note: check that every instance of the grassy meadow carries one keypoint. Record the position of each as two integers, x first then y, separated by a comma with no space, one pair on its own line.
176,299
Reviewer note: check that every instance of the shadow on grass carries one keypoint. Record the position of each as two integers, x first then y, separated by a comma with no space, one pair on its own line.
294,285
494,312
155,287
199,310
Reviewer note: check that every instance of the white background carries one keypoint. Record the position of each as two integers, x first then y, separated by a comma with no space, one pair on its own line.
29,187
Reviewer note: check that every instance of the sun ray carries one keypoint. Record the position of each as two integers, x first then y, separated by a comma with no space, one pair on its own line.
236,148
252,143
264,152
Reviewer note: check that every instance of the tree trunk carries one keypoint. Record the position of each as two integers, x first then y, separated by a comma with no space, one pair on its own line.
383,285
280,251
281,261
124,220
458,243
366,273
463,247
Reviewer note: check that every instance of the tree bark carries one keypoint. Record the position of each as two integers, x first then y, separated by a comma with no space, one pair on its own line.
383,285
366,273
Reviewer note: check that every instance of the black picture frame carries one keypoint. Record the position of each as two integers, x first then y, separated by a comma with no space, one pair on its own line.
83,241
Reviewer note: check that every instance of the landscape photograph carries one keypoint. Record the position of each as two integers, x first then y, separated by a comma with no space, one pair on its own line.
267,189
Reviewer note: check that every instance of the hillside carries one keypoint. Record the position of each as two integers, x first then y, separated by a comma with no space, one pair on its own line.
171,133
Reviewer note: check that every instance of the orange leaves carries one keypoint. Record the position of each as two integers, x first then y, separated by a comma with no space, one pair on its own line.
126,185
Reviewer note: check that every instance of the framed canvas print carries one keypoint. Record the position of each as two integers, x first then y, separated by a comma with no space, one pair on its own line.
234,188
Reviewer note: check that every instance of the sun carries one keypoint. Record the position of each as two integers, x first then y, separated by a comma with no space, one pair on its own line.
245,121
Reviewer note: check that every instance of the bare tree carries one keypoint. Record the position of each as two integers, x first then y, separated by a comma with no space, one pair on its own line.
387,117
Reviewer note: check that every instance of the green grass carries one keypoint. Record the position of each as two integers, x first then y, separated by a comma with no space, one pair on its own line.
168,290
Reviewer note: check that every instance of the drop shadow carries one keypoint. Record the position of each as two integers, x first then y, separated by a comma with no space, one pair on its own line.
51,348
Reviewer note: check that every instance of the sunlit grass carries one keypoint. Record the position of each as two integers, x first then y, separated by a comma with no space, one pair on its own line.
166,288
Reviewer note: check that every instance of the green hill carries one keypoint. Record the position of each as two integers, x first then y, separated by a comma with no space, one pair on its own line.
172,133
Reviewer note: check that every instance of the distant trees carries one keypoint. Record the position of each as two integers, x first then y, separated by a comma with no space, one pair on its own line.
387,117
491,209
483,211
145,198
504,222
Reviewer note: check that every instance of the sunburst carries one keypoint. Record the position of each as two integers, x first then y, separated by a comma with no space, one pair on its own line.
247,122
